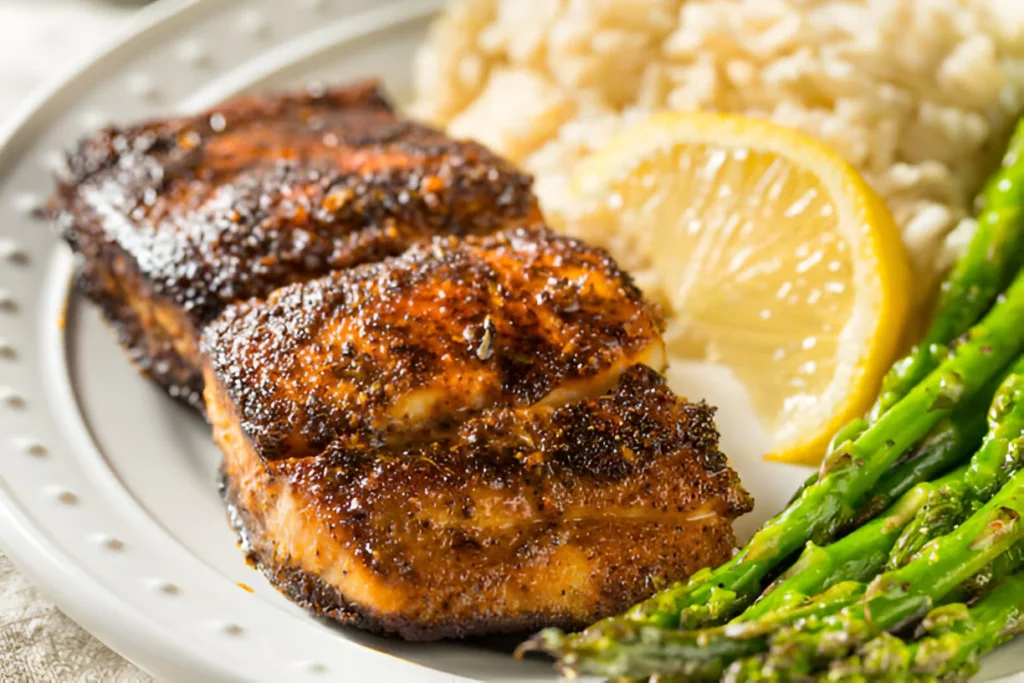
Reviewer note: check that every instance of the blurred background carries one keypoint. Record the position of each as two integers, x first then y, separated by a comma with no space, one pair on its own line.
41,38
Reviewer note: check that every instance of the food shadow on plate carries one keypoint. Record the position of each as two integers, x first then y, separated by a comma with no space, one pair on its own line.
490,657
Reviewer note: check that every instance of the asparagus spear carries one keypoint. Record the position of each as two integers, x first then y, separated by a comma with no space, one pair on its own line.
858,556
1000,456
754,667
837,570
636,650
937,654
991,260
954,637
947,445
861,555
941,448
949,442
900,597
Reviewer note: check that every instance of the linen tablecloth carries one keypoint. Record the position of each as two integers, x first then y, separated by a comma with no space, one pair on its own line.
38,39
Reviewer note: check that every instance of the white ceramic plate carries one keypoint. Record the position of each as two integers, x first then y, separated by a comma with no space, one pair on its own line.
107,488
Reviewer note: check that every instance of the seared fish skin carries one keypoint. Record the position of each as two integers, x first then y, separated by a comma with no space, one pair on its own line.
468,438
174,219
521,518
422,340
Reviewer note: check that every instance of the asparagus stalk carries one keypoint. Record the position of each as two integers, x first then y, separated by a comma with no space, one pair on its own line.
855,669
953,637
635,650
861,555
1001,567
848,475
949,443
991,260
900,597
858,556
1000,456
945,446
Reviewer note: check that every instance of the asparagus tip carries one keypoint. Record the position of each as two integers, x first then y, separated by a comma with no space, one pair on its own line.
549,641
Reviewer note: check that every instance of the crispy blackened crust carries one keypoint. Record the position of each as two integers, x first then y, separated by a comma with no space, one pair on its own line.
156,334
313,594
304,589
201,211
521,519
485,321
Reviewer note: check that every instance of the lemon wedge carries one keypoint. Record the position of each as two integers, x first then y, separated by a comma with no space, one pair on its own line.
772,256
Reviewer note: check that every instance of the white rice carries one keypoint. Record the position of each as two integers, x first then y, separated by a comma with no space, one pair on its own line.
919,95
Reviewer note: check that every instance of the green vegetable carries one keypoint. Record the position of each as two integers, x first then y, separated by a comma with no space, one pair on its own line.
952,638
900,597
1000,456
633,650
857,557
948,444
992,259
